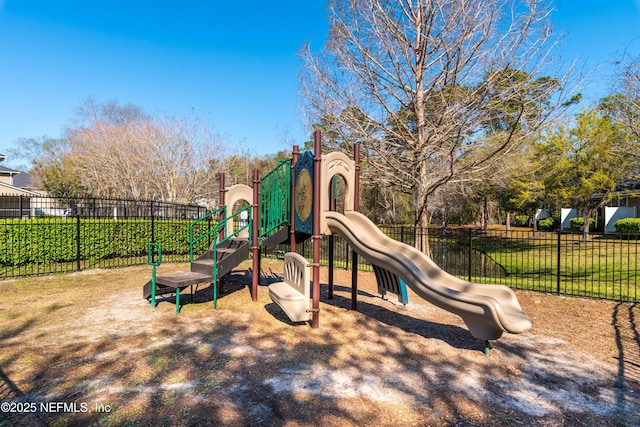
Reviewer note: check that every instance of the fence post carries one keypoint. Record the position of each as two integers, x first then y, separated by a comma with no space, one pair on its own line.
415,234
346,256
558,263
470,252
77,240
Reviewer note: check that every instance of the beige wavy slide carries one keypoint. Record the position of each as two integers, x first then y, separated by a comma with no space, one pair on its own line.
487,310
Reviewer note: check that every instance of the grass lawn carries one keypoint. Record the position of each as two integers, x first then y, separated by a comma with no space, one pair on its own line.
602,267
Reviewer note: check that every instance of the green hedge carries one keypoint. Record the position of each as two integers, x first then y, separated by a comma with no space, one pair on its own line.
46,241
577,224
628,226
548,224
522,220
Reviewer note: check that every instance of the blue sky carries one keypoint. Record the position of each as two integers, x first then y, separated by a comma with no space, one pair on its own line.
233,63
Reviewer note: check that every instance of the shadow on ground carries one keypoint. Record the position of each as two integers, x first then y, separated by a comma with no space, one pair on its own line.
246,364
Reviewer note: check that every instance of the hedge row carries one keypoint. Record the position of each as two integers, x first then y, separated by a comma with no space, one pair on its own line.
577,224
548,224
46,241
628,226
624,226
522,220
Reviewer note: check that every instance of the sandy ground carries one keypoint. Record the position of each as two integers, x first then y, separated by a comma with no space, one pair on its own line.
90,340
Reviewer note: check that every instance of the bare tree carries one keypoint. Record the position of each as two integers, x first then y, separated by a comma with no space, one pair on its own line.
121,152
435,90
623,106
629,80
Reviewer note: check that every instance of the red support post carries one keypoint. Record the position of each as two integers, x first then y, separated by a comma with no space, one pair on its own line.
221,216
222,190
356,207
222,201
292,225
315,237
332,207
255,229
356,180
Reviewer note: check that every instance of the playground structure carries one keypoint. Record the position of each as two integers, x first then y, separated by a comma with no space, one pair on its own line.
296,201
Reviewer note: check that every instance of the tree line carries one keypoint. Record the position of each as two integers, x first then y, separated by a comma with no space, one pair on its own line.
117,150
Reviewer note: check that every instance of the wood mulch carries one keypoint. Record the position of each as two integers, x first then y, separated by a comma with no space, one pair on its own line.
90,339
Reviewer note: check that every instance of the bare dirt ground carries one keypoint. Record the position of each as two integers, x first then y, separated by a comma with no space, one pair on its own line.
86,349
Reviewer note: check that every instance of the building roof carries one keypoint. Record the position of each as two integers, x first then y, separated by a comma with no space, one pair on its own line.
627,188
7,171
19,179
6,189
24,180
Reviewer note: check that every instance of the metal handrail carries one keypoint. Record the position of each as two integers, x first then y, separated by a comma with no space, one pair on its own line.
207,233
222,223
275,196
216,243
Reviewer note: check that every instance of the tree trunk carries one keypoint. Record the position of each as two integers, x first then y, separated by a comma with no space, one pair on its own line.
421,220
585,226
423,242
485,215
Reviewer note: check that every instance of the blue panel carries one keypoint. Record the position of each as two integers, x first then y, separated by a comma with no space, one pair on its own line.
304,163
389,282
402,296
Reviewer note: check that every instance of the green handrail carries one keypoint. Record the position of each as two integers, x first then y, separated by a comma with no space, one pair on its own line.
215,232
275,198
207,233
154,250
275,208
220,225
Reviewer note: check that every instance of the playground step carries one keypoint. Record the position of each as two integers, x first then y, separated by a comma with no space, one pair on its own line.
232,253
160,290
283,236
230,244
168,283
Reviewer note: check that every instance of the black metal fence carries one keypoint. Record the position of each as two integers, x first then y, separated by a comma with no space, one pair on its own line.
42,235
604,267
